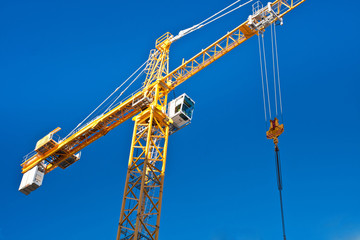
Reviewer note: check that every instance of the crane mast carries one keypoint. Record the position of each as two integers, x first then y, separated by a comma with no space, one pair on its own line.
142,199
141,205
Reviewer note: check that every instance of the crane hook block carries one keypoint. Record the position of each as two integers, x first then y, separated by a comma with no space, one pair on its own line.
275,129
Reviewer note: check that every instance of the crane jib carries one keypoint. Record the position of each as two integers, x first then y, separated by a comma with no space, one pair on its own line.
126,110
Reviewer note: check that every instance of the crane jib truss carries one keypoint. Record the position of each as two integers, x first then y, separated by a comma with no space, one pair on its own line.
99,127
141,206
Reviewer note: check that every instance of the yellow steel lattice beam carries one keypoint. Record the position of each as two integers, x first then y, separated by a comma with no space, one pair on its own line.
126,110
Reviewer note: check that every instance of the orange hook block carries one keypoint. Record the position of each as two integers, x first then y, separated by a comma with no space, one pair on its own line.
275,130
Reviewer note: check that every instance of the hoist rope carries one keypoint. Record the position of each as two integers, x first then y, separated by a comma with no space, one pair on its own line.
278,71
79,125
273,63
276,75
266,76
264,73
262,78
209,20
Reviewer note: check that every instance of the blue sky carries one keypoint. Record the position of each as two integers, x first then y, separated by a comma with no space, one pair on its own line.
60,59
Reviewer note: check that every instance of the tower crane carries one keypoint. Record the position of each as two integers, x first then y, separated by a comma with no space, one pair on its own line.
154,120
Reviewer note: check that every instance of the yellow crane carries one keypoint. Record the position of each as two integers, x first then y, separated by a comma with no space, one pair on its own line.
155,119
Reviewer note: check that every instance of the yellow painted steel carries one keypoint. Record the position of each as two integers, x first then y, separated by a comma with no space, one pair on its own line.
275,130
142,199
141,205
99,127
46,139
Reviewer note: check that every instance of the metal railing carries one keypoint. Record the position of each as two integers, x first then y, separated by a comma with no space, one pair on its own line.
31,154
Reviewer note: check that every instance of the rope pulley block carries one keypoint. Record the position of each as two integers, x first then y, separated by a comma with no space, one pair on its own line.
275,130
